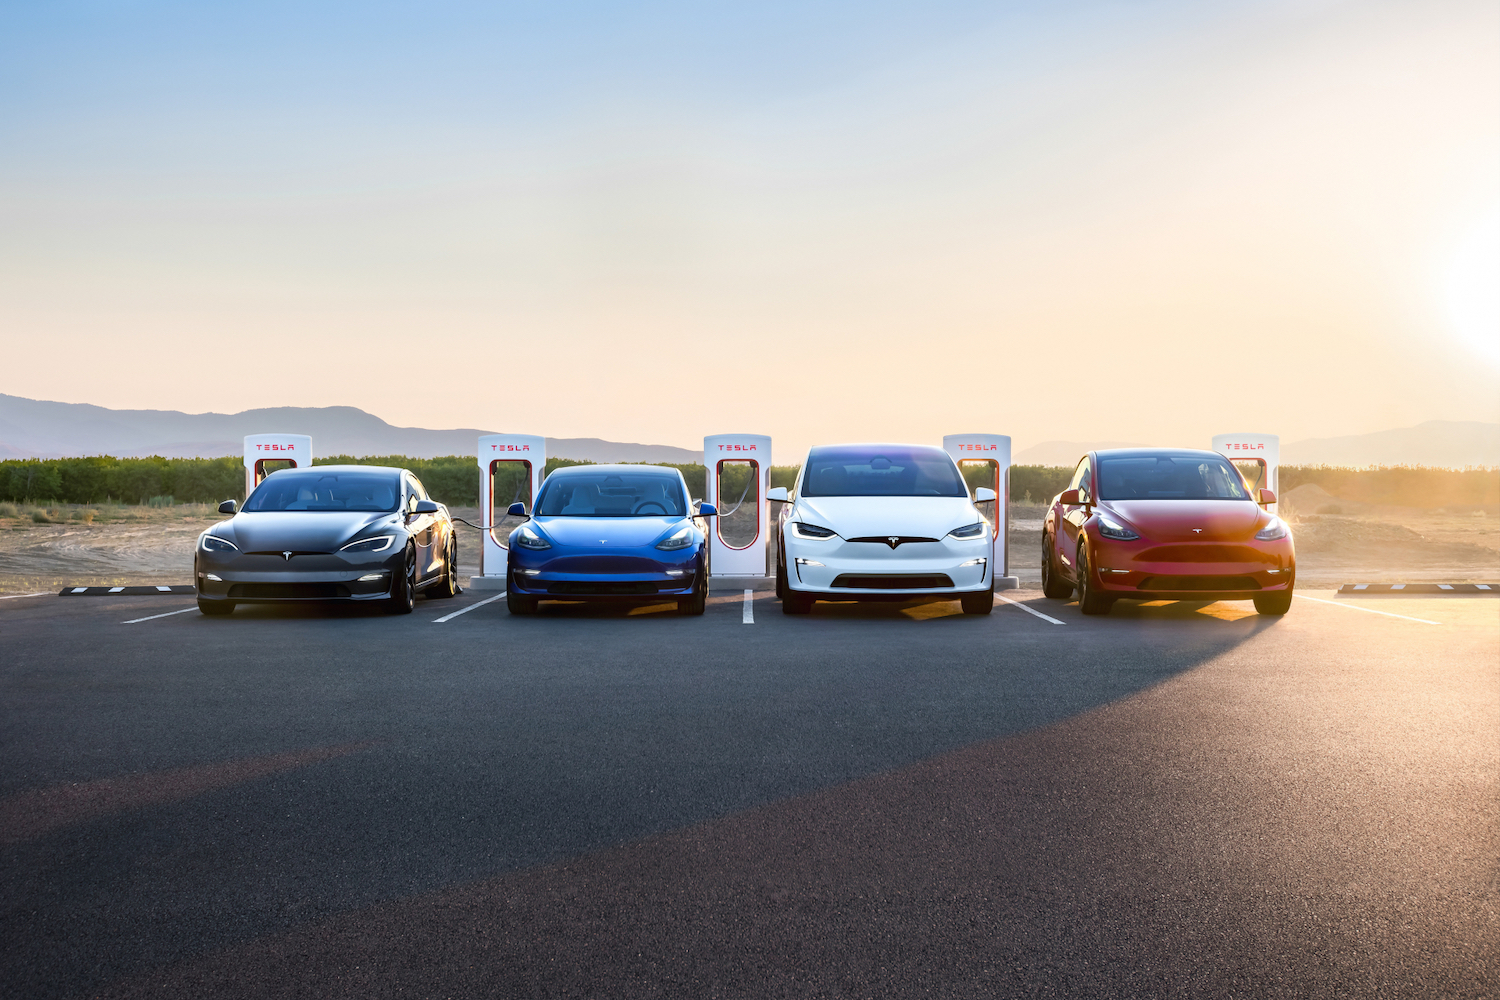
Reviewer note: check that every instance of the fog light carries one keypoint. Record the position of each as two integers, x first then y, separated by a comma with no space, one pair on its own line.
532,572
371,577
1114,571
677,572
210,576
972,562
807,562
1273,571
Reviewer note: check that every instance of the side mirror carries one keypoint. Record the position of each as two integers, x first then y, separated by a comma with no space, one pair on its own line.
777,494
227,507
1267,496
516,509
1068,497
707,510
984,494
425,507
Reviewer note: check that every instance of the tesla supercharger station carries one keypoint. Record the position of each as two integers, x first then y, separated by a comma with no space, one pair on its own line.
738,466
993,450
1257,456
511,467
265,453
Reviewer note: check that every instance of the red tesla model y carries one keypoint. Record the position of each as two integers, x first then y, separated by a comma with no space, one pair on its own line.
1152,524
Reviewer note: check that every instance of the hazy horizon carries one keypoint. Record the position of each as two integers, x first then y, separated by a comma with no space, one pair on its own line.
1151,221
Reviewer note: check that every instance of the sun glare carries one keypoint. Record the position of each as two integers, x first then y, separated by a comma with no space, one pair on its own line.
1472,292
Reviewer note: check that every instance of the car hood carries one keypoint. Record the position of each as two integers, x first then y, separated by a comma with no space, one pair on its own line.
606,532
1175,520
862,517
300,531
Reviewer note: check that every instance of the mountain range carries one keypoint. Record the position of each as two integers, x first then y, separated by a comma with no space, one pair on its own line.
33,428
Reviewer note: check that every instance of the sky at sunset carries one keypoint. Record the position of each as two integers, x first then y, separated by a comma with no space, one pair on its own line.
1133,221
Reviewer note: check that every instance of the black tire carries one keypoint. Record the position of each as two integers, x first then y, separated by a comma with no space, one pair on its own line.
404,587
1278,603
1053,585
1090,601
518,605
780,574
981,603
694,605
448,585
215,607
794,602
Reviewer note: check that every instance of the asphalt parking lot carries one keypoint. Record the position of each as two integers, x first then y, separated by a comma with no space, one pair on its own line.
871,801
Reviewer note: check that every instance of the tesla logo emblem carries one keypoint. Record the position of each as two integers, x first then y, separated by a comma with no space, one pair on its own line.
738,447
510,447
275,447
287,556
895,540
1197,531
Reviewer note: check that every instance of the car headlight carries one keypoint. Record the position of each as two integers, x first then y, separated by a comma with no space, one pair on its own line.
377,544
528,538
975,530
1111,528
803,530
679,539
213,543
1274,529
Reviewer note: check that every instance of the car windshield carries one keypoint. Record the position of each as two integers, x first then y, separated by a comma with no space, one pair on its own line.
1169,477
611,494
362,491
877,471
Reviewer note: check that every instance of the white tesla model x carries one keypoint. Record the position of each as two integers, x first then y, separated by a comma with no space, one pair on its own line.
882,522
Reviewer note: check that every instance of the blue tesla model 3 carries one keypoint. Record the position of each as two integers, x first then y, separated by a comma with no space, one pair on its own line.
623,533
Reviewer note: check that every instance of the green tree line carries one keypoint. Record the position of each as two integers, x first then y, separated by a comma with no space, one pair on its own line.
454,480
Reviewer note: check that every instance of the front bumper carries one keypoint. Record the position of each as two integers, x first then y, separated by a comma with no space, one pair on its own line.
1193,571
848,570
623,575
269,579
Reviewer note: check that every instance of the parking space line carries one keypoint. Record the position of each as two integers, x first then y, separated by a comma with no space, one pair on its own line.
464,611
1031,611
1355,607
748,616
13,597
169,614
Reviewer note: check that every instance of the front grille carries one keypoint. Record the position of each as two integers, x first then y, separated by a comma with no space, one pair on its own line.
892,581
288,591
1207,583
608,588
1207,552
900,539
603,564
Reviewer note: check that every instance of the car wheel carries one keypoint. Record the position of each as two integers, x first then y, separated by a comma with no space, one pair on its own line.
694,605
794,602
518,605
404,588
1090,601
1278,603
781,574
448,585
981,603
215,607
1053,585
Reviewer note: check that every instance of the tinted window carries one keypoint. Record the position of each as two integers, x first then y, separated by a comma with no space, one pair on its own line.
611,494
1169,477
881,472
367,491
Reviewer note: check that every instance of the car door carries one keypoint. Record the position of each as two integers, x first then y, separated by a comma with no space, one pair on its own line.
423,528
1073,515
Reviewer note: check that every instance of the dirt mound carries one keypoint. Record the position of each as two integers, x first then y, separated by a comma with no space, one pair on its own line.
1310,498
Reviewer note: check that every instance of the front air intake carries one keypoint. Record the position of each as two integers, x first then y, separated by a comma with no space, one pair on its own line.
892,581
1204,583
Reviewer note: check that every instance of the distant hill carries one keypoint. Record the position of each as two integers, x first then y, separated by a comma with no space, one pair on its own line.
1064,452
32,428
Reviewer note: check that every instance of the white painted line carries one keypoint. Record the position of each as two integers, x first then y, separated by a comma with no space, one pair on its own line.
747,617
1445,586
169,614
1398,586
1031,611
164,590
1360,586
115,590
1356,607
464,611
80,590
12,597
1482,586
